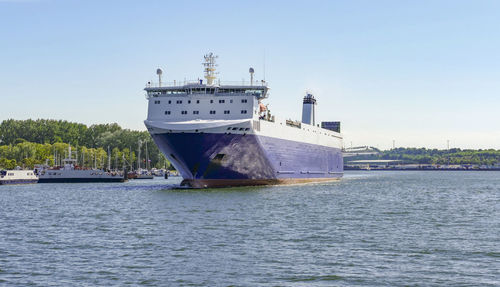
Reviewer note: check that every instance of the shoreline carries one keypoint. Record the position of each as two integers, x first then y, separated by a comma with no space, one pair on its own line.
422,169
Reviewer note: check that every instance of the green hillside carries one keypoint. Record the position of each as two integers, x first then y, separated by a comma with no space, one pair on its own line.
29,142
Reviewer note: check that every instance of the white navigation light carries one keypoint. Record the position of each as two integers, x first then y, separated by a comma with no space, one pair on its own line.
159,72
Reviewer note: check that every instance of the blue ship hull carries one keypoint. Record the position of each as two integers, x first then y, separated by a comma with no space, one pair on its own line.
216,160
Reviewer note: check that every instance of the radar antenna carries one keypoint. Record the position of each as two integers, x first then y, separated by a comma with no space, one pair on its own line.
210,68
251,71
159,72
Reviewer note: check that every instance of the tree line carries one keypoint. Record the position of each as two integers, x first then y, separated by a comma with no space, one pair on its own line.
26,143
440,157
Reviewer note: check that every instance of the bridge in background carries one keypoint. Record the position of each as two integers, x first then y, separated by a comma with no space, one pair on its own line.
359,150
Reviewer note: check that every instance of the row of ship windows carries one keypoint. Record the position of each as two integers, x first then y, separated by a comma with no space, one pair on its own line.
157,102
12,174
226,112
208,91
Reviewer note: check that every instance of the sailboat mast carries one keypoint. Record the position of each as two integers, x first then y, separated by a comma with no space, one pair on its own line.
109,159
147,156
131,165
139,155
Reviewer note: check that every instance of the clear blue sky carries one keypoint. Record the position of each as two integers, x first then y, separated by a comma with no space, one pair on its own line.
417,72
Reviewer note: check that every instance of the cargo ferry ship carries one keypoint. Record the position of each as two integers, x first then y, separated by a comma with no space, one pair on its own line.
222,134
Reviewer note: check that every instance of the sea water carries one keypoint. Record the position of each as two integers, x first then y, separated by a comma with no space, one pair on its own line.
385,228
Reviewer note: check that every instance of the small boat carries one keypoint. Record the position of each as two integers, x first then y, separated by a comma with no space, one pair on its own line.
143,174
72,173
131,175
17,177
158,172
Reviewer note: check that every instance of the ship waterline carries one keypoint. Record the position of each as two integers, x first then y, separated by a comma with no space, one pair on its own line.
216,183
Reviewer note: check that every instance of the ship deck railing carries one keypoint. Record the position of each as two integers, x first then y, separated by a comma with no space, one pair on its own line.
198,83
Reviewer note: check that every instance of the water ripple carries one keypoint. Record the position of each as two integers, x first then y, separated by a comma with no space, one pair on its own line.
369,229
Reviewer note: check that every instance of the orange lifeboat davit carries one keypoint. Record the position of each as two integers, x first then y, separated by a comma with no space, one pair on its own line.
262,107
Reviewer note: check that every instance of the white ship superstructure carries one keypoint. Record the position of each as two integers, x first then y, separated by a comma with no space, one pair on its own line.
17,176
222,134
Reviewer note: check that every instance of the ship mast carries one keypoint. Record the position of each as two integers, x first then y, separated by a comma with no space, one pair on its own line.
139,155
210,68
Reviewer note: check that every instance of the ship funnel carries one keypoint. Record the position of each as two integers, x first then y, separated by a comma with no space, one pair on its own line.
159,72
309,110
